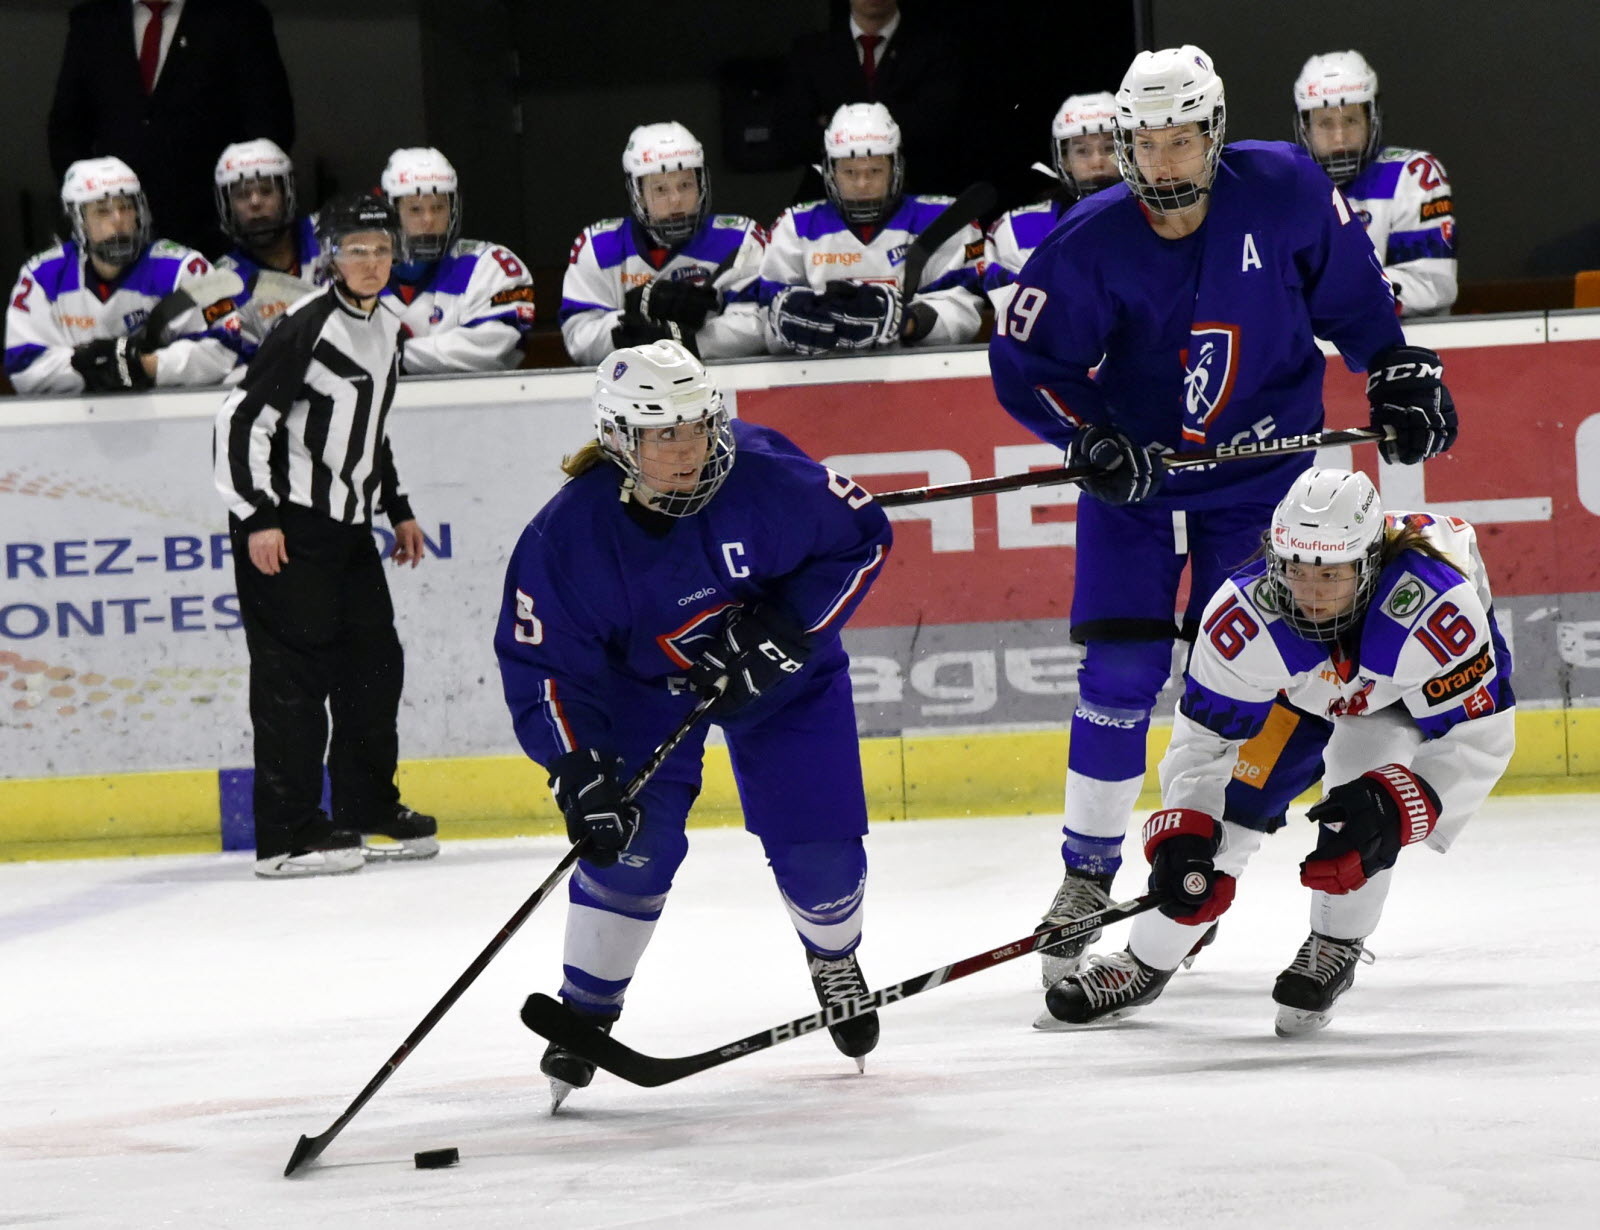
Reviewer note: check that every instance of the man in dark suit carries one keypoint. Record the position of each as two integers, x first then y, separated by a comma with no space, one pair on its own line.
885,56
165,85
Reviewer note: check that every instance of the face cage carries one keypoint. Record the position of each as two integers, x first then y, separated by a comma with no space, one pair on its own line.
621,443
1342,168
875,210
264,232
1070,182
121,251
1172,199
425,248
670,232
1329,630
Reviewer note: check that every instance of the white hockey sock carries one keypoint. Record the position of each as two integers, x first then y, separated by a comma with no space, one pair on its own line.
1351,916
1097,808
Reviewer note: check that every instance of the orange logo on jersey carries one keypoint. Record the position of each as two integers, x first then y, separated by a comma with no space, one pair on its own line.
836,258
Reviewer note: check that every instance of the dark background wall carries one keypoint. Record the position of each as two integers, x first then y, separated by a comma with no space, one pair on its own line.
533,99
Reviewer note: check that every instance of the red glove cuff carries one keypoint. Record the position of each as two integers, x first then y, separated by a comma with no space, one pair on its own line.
1334,875
1173,822
1414,800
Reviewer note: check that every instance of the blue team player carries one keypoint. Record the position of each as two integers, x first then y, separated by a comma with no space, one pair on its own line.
275,252
673,269
1195,295
729,553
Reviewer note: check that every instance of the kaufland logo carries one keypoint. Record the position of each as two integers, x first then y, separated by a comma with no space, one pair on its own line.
1317,545
423,177
671,155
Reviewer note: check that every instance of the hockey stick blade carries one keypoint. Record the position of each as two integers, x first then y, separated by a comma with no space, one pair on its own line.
552,1020
977,199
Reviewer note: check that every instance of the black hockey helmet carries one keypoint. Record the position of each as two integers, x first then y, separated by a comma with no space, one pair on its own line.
359,213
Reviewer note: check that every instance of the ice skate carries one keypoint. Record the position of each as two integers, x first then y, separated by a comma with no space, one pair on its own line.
410,835
1321,971
319,850
838,980
1079,894
1203,942
1106,989
568,1071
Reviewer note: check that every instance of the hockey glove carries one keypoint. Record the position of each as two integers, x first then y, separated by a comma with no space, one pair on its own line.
1405,387
111,365
920,320
865,314
1125,473
802,321
759,649
588,787
685,302
1362,825
1181,844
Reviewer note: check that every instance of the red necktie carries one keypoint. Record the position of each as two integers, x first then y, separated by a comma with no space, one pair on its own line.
869,65
150,47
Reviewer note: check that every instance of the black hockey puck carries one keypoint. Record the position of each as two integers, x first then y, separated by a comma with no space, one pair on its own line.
437,1159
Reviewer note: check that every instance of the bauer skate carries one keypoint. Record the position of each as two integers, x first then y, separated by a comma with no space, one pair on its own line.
1080,894
838,980
1105,989
1321,971
410,835
568,1071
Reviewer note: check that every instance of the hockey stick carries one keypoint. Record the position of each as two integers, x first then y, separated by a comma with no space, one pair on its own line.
551,1019
310,1147
977,199
1176,461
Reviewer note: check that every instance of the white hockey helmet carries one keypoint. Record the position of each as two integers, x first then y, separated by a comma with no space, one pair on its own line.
1338,79
422,171
97,179
259,159
1177,85
863,130
659,385
1081,115
1328,516
652,149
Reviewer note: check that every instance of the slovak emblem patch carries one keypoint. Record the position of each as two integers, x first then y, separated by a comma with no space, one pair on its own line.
1209,366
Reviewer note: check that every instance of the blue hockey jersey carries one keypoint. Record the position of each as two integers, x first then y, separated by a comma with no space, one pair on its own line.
1200,341
602,617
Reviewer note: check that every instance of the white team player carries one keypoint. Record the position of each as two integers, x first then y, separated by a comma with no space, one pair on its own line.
1403,195
672,269
1083,158
831,276
275,252
77,313
464,305
1362,643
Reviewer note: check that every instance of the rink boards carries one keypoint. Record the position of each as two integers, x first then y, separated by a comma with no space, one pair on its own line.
122,665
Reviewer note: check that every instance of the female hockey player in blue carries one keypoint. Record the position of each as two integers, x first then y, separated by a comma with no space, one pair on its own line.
1361,643
1181,311
687,548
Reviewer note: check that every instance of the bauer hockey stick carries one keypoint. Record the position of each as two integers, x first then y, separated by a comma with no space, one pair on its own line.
1175,461
311,1147
554,1021
977,199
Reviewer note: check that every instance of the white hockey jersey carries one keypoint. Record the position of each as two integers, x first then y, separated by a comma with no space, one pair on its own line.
1428,644
1403,195
612,257
1009,244
812,245
59,303
269,293
469,311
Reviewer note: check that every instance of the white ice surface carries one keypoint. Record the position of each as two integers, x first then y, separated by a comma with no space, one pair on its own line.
170,1026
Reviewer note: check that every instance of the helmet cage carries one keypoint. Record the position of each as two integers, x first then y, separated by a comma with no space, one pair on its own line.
1082,115
1079,188
1327,517
428,247
869,211
1171,198
257,234
670,232
1326,631
119,251
1344,166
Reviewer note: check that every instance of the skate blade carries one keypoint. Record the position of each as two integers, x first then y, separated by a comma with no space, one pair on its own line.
335,863
1297,1022
400,851
1049,1024
559,1090
861,1064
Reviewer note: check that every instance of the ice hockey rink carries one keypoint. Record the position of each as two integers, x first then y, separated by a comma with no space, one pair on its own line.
171,1026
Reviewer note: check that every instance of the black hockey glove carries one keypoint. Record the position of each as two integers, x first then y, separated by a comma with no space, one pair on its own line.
589,791
111,365
759,649
685,302
1125,473
1181,844
1362,825
802,320
1405,386
865,314
919,322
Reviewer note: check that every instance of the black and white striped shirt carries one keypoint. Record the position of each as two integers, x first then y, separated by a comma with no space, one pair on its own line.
306,425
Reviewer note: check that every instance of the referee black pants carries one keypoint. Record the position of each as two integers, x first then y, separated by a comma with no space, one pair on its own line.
321,638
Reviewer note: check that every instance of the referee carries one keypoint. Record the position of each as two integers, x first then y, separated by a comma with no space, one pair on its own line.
302,459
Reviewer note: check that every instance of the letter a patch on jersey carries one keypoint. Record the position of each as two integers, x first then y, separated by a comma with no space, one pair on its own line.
1210,364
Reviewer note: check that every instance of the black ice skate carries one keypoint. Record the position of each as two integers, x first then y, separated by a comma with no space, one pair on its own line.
410,835
1321,971
1105,989
838,980
566,1070
1079,894
319,849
